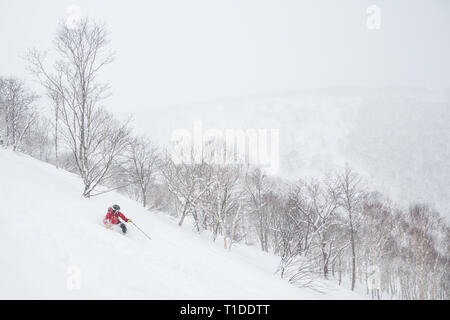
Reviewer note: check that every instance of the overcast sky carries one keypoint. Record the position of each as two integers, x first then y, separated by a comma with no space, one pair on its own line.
177,51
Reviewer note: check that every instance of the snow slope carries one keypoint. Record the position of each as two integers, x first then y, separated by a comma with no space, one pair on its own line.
50,235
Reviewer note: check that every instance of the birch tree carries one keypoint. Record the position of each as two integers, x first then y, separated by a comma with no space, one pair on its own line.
257,187
142,164
351,201
92,134
18,111
225,201
187,182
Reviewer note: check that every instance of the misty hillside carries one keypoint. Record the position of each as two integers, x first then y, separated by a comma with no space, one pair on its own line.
397,137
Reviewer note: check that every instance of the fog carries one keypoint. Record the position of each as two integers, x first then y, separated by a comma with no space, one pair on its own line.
177,52
249,63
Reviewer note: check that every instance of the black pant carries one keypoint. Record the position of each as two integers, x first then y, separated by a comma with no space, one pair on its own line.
123,227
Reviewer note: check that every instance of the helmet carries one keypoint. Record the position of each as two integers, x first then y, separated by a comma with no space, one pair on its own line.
116,207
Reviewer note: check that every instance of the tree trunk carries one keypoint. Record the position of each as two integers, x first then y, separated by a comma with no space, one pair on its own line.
56,137
183,215
144,197
325,262
353,259
182,219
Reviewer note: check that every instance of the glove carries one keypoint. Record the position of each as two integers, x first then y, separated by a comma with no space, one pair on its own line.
129,220
107,225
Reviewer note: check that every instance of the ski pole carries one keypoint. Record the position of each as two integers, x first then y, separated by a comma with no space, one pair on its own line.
141,230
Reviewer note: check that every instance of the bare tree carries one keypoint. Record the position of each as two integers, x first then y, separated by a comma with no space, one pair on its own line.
142,164
187,182
376,234
92,134
37,140
351,200
258,187
225,201
17,109
312,208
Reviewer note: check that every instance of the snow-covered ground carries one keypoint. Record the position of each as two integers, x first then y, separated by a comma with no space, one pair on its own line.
54,246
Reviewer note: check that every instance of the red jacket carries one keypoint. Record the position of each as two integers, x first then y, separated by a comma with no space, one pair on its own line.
113,216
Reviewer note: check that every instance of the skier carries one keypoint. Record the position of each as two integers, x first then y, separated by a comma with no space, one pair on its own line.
112,217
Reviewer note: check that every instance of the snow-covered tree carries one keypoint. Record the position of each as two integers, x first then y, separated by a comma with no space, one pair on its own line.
141,166
93,135
17,111
351,201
